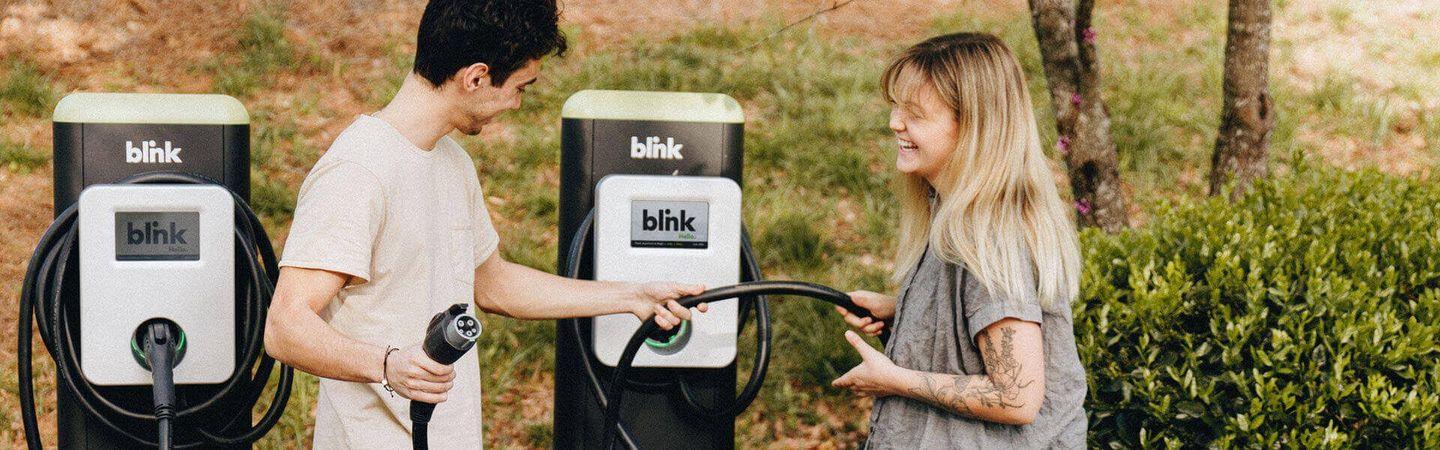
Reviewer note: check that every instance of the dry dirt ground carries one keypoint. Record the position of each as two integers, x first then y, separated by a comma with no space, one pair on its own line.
155,46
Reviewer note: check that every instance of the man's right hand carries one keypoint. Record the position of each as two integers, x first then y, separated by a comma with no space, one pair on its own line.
881,307
415,376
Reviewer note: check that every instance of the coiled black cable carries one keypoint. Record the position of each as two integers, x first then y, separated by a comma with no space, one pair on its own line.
760,305
51,275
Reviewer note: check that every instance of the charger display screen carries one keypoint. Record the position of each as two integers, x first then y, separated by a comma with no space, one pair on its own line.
669,224
157,236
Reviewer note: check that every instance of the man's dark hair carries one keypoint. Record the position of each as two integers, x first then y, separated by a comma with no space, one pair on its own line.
503,34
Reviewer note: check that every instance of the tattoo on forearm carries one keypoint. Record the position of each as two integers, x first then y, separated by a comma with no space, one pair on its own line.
958,393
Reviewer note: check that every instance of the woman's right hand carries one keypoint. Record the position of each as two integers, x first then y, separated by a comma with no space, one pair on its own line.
881,307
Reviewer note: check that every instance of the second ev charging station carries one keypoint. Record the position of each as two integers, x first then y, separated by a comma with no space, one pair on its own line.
643,133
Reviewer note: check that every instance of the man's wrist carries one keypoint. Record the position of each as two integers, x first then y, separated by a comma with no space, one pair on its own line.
383,375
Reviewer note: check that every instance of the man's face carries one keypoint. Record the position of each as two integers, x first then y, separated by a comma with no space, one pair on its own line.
477,101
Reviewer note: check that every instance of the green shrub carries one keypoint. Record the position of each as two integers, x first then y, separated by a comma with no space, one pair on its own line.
1303,315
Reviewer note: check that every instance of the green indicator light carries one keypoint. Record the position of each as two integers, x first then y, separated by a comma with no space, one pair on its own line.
675,338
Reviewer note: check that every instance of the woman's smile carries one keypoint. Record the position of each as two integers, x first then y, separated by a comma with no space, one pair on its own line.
907,148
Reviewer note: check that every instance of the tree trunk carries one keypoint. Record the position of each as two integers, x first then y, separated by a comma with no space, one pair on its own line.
1067,51
1242,145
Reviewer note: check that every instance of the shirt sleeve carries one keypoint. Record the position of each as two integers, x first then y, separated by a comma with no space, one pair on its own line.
337,220
984,307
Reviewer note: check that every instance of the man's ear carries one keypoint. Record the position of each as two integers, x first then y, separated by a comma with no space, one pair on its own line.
474,76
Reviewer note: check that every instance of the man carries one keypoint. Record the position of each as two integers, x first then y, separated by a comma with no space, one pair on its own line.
391,227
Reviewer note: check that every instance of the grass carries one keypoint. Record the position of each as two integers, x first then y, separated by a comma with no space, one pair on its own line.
20,157
792,239
25,90
271,198
262,50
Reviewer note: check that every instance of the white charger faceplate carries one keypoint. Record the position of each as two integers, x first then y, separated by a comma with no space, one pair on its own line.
669,228
156,251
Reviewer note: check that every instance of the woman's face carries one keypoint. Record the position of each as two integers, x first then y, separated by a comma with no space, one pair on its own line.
926,132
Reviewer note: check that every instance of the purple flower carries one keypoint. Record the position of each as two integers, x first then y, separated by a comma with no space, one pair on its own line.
1088,35
1083,206
1075,99
1063,145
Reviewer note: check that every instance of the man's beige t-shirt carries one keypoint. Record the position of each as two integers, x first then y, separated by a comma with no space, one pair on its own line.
409,226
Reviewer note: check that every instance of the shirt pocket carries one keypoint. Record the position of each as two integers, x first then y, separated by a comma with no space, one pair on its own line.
462,254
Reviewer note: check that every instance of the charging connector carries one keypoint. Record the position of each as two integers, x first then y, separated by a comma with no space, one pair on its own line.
449,335
162,341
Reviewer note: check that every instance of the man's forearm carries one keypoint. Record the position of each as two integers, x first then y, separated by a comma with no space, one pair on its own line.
300,338
517,291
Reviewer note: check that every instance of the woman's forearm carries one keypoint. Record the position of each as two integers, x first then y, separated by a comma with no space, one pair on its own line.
1010,391
972,396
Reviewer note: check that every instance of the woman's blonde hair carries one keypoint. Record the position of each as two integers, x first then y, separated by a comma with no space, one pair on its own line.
999,212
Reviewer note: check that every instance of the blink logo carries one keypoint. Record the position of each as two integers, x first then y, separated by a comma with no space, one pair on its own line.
154,234
669,224
665,220
149,152
652,148
157,236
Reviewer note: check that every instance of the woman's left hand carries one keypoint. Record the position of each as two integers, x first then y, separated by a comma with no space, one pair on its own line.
876,375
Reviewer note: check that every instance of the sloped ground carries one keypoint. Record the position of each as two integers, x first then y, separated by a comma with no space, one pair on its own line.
1357,84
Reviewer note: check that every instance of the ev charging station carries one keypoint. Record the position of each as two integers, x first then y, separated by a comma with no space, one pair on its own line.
150,288
150,252
655,177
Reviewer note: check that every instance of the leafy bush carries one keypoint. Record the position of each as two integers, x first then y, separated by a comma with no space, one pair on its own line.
1303,315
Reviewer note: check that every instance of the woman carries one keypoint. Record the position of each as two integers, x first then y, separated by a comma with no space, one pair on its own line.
980,352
